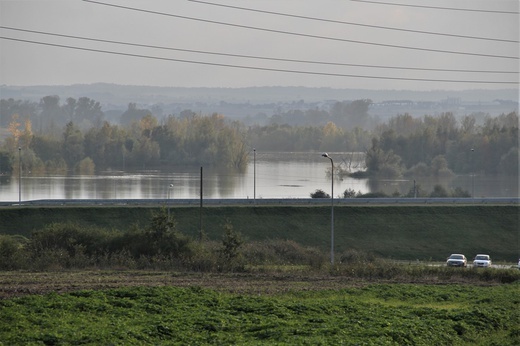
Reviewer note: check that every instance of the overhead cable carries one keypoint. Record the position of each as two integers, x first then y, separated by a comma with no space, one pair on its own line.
304,35
258,68
437,7
256,57
356,24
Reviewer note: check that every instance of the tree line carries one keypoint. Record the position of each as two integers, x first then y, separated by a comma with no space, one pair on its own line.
439,145
191,139
51,136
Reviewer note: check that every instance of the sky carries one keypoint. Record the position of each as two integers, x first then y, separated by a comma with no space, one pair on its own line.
377,44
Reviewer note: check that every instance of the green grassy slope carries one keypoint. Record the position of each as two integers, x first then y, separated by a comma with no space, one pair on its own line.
400,232
371,315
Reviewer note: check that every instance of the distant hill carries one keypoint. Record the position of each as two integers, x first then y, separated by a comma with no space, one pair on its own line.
123,94
257,103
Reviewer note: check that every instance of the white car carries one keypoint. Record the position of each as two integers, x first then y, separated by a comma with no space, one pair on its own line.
457,260
482,261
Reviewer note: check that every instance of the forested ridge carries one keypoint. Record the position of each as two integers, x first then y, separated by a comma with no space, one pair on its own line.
56,137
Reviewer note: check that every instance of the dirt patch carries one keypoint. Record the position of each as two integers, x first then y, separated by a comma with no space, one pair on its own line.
14,284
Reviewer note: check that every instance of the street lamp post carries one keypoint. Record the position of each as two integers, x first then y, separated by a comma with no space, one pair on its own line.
254,175
472,173
169,191
331,209
19,175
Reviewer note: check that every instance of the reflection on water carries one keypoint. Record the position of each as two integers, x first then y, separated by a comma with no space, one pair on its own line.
478,186
269,175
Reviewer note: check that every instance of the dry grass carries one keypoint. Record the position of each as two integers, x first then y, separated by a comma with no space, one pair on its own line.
16,283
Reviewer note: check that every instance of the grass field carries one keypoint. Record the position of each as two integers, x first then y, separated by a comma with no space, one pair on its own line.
255,309
363,301
398,232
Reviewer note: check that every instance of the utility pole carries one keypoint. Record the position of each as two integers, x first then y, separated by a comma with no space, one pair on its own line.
200,209
19,175
254,175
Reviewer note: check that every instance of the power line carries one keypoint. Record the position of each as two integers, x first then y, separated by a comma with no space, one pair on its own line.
437,7
304,35
356,24
254,57
256,67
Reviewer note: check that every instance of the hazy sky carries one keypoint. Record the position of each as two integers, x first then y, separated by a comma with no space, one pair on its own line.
454,40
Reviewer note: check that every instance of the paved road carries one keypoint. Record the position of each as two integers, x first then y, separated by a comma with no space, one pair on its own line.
468,267
268,202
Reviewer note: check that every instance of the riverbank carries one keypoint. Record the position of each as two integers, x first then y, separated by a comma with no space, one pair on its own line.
398,232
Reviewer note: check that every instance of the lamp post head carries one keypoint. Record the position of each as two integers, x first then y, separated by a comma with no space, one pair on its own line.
325,155
171,185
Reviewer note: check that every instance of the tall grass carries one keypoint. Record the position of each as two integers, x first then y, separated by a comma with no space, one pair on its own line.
396,231
161,246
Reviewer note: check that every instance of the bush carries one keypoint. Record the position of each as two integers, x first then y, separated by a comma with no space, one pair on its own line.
439,191
319,194
71,238
283,252
372,195
349,193
459,192
229,254
12,254
355,256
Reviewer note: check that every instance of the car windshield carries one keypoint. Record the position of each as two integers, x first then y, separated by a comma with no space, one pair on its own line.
456,257
483,258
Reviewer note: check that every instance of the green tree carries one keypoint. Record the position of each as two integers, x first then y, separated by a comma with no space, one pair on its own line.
46,147
106,145
351,114
509,162
52,117
25,109
382,163
86,166
88,113
145,152
6,163
133,114
72,145
230,251
439,167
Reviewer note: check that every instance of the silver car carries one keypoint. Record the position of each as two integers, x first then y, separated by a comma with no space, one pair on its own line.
482,261
457,260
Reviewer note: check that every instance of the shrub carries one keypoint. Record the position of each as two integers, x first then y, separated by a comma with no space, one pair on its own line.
439,191
12,254
459,192
349,193
283,252
372,195
71,237
159,238
319,194
230,256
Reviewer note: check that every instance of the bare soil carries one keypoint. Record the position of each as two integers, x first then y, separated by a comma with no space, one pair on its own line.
16,283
